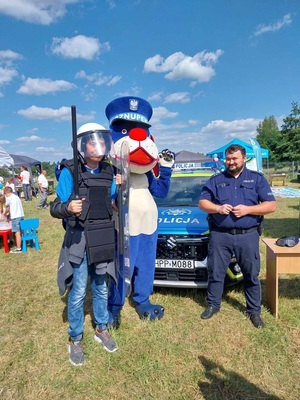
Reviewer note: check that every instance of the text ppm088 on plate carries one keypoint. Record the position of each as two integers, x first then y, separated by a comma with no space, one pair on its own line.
176,264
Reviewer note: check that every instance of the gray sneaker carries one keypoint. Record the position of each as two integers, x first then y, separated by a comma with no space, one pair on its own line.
107,342
76,353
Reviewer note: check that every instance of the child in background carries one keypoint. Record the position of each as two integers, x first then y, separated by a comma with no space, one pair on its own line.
12,185
14,209
3,216
1,185
4,220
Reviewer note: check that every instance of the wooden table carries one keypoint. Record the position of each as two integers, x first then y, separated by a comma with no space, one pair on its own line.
280,260
278,177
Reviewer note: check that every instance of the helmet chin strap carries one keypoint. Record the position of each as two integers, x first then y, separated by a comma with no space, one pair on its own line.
81,158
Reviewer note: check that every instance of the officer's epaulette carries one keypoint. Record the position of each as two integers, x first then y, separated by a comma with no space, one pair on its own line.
256,172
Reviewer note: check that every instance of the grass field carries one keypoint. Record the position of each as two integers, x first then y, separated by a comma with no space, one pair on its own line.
180,357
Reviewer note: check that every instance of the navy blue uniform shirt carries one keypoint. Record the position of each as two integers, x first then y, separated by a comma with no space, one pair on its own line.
250,188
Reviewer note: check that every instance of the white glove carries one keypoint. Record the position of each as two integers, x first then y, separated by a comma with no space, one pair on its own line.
166,158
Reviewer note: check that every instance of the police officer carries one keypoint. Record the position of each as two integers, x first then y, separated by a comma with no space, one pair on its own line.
235,200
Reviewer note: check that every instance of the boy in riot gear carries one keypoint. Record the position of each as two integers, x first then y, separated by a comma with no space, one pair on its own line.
89,243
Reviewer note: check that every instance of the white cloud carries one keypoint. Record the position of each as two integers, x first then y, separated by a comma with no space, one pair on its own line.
42,12
89,95
7,69
177,139
193,122
262,28
31,138
160,113
61,114
173,127
7,75
156,96
218,132
113,80
179,97
32,130
7,57
180,136
98,78
198,68
4,141
45,149
133,91
40,86
201,93
229,128
80,46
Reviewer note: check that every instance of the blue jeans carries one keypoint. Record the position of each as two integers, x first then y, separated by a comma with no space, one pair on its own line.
77,294
26,190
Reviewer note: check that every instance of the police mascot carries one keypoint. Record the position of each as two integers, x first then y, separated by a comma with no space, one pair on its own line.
129,121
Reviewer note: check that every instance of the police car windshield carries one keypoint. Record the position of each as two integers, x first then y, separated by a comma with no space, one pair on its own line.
184,191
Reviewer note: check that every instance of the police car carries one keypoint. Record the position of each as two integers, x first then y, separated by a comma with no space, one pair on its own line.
183,234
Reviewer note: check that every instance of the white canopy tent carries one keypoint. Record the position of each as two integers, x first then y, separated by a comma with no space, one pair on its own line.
6,161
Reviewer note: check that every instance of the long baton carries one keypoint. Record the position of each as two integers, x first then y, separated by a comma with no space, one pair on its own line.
75,152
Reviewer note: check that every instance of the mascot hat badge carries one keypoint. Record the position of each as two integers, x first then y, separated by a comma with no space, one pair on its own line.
129,121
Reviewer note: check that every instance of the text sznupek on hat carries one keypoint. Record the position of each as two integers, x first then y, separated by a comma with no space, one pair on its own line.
129,108
289,241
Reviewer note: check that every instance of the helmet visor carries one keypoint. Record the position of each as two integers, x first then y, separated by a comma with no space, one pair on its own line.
94,143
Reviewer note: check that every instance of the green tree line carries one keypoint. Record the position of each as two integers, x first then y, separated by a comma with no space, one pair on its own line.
283,144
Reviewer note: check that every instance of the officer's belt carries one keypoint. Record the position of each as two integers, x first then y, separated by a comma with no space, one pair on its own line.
235,231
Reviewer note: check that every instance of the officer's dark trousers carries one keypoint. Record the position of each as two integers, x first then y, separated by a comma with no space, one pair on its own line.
246,249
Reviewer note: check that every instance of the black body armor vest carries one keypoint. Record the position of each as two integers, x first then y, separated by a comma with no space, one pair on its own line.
96,216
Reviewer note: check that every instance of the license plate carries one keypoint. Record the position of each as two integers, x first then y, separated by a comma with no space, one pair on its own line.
176,264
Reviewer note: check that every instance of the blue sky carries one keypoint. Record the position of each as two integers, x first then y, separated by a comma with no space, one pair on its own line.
211,69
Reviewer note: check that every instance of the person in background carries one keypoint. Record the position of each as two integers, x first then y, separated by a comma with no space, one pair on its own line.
235,200
25,177
5,223
88,216
18,185
57,169
43,189
11,183
1,184
14,210
3,216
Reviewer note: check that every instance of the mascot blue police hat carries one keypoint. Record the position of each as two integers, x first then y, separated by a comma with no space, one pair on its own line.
129,108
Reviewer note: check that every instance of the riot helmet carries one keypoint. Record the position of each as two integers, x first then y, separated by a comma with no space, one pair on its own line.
288,241
93,140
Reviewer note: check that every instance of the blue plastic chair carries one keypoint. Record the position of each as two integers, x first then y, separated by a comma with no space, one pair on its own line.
29,227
